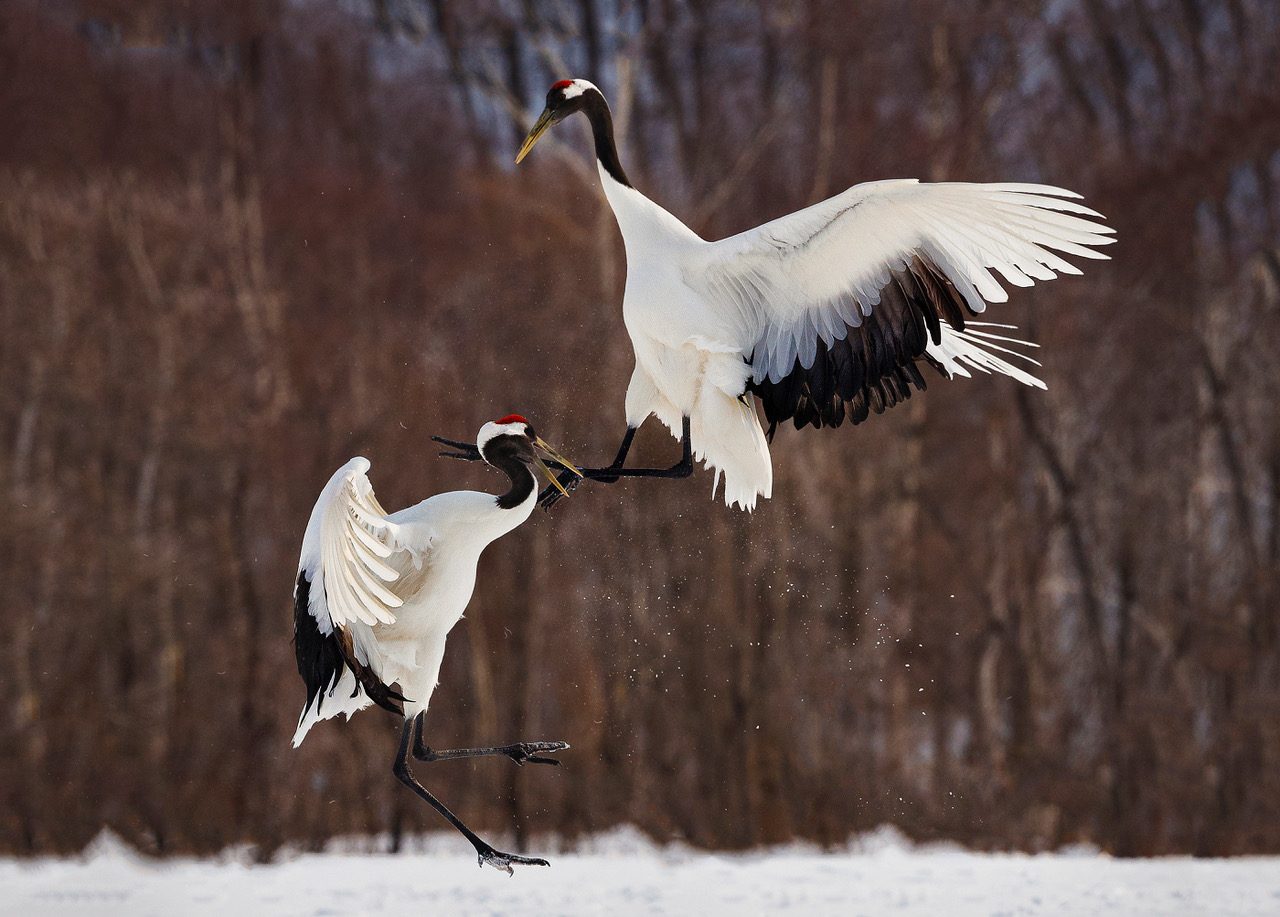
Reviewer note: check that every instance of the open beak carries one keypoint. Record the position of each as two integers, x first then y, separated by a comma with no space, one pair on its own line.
556,456
539,128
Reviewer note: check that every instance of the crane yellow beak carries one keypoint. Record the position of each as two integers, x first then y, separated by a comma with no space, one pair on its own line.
553,454
539,128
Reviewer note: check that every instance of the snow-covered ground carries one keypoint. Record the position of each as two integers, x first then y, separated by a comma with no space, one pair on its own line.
621,874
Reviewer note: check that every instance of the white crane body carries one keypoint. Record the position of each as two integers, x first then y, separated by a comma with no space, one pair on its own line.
377,594
822,313
688,356
442,538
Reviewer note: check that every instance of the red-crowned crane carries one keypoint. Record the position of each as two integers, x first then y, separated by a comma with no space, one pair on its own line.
377,594
822,314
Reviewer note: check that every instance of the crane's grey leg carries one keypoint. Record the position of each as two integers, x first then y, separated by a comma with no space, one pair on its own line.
484,852
682,468
519,752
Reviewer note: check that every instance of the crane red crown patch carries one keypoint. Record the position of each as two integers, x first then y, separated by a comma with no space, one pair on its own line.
512,418
563,84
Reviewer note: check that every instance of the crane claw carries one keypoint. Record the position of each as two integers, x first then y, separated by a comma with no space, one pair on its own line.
568,481
466,452
487,856
531,752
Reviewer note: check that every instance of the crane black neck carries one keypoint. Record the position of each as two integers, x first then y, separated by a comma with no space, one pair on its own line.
503,453
597,111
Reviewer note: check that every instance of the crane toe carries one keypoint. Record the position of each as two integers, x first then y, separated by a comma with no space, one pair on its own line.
533,752
467,452
487,856
551,495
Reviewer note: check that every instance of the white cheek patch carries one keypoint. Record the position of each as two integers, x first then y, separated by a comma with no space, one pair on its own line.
491,429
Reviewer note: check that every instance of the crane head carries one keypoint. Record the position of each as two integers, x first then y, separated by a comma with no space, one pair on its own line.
563,99
514,432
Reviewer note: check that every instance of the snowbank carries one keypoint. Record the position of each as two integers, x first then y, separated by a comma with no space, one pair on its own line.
622,873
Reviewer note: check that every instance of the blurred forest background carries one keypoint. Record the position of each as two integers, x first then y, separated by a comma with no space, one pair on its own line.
242,241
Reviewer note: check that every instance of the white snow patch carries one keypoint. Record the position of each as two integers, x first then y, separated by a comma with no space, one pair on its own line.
624,873
110,847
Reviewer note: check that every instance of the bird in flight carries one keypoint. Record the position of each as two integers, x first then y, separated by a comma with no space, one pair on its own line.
824,315
377,594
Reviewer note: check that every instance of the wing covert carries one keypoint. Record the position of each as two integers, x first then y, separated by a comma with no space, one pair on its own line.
351,558
356,540
809,276
836,303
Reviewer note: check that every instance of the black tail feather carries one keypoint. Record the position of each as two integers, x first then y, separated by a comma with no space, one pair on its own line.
322,658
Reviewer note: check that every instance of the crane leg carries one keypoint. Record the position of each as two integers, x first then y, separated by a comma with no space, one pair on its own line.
484,852
681,469
519,752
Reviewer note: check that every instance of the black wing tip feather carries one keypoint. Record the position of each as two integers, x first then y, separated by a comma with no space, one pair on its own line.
322,658
873,367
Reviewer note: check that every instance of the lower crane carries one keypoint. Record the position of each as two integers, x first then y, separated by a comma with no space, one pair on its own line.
378,593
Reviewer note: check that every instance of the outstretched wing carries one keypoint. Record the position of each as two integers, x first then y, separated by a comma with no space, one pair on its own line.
840,300
351,557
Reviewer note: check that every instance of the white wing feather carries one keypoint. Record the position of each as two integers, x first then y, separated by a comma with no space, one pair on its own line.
348,540
806,275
